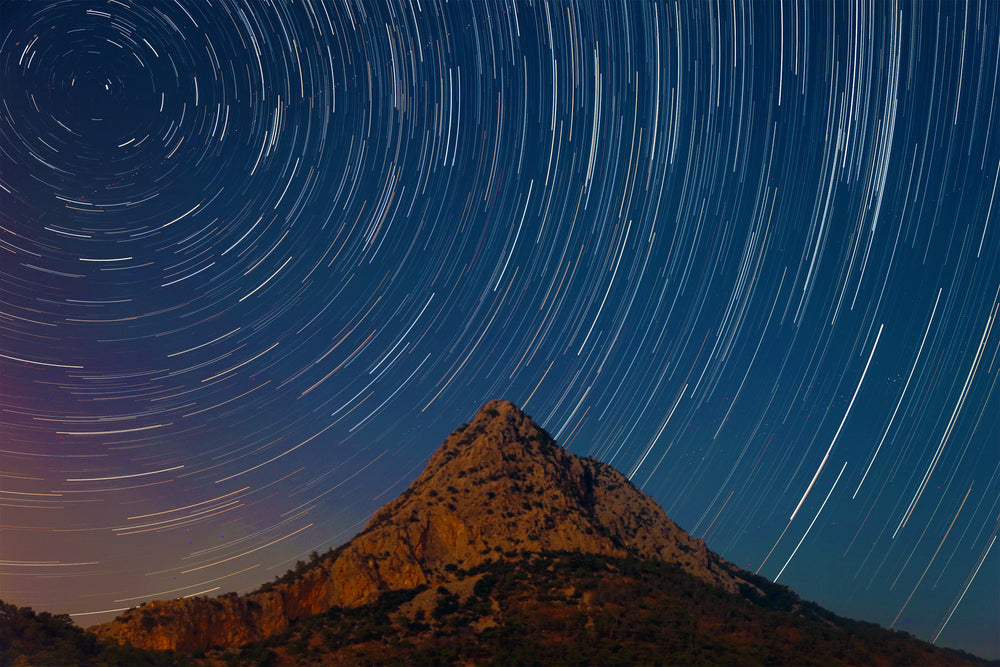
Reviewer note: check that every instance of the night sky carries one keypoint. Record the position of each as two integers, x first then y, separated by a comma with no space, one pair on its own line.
260,258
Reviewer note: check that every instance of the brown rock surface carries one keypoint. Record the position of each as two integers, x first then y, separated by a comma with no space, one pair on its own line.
498,486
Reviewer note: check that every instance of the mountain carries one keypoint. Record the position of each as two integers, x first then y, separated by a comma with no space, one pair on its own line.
503,525
497,486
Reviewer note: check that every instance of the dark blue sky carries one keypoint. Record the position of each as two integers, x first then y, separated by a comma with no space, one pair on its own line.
259,259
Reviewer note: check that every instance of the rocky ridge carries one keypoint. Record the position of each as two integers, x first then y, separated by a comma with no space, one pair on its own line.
497,488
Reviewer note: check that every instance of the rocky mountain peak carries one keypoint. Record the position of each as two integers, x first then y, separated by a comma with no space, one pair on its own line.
500,454
498,487
499,436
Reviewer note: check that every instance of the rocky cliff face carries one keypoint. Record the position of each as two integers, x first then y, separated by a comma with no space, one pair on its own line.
497,487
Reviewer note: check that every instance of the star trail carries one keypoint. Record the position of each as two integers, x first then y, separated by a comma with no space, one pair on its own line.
260,258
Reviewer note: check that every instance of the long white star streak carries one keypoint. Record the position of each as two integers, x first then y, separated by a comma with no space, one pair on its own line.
840,427
138,474
965,587
818,512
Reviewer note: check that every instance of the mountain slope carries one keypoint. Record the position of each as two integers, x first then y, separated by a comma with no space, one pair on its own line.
569,608
497,487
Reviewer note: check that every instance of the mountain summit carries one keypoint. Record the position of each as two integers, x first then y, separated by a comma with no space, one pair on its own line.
498,487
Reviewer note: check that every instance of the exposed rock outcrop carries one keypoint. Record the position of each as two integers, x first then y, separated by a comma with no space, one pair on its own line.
497,487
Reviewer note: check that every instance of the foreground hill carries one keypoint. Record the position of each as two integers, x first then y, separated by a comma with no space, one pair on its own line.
508,549
44,639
